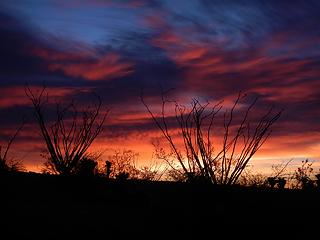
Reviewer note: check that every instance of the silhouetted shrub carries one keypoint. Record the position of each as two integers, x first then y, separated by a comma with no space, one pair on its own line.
318,180
69,137
241,140
122,176
148,173
123,163
272,181
249,178
192,177
87,167
303,175
175,175
281,182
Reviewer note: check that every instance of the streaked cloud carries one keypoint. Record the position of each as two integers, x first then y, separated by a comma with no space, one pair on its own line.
205,49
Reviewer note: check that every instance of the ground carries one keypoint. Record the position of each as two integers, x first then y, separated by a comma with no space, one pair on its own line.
56,207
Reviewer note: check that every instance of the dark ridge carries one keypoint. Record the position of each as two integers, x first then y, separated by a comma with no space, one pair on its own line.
57,207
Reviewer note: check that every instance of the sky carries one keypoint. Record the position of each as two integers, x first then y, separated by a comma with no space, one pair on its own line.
206,49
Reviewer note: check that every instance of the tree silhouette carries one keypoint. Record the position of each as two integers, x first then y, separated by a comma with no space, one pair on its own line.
5,164
70,135
198,158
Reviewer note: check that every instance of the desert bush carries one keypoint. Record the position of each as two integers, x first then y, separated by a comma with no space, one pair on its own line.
279,171
87,167
70,135
123,164
199,156
249,178
317,181
303,175
150,173
281,182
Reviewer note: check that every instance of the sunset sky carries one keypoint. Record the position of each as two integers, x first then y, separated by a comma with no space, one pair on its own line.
208,49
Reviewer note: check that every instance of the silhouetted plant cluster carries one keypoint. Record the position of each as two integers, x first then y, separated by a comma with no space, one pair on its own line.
121,165
301,178
70,135
87,167
198,158
249,178
303,175
278,182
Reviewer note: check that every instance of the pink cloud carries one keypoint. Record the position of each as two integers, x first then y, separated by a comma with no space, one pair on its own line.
86,65
14,96
209,66
108,67
55,55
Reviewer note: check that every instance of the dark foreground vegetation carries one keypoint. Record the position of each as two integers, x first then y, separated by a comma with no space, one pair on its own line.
59,207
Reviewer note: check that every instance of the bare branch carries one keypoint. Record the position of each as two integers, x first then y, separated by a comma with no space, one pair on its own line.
195,124
72,132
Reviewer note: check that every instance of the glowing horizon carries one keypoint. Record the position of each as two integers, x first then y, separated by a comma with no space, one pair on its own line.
205,49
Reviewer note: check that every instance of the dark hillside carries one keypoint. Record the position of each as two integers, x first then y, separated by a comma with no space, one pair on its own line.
58,207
